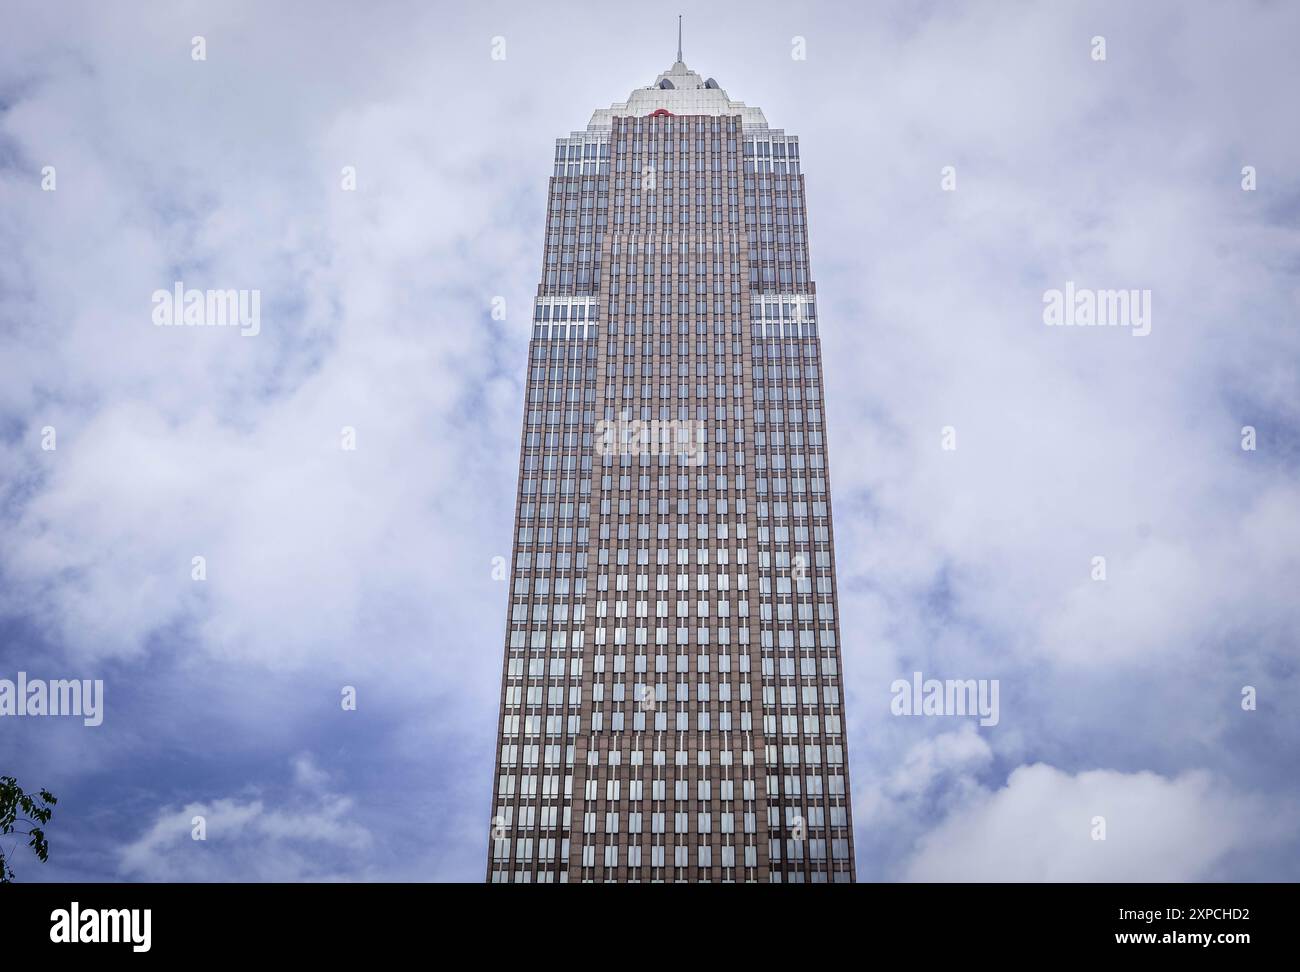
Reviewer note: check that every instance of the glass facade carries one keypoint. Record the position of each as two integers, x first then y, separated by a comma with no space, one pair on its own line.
672,704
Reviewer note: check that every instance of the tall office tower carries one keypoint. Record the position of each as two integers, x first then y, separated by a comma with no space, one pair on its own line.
672,703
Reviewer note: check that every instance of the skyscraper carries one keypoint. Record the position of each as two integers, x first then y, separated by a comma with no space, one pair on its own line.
672,701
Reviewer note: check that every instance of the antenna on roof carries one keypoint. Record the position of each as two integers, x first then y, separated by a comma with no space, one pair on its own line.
679,38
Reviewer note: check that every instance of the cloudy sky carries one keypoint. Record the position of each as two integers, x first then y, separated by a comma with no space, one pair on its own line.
1119,698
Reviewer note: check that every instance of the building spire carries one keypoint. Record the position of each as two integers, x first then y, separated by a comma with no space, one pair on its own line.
679,38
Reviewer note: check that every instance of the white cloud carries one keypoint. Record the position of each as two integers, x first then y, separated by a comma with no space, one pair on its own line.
304,834
1040,826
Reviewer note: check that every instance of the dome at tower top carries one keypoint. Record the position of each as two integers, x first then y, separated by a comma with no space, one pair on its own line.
679,91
